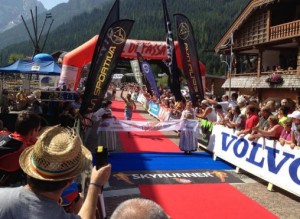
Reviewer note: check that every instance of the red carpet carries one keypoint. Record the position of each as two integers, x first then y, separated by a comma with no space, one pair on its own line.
118,111
142,141
204,201
192,201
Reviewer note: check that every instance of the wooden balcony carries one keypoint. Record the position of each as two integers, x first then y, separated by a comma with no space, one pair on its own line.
285,31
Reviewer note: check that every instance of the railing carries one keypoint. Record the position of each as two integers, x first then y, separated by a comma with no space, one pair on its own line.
286,30
283,72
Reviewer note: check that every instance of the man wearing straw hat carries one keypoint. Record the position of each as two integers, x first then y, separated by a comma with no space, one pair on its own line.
51,165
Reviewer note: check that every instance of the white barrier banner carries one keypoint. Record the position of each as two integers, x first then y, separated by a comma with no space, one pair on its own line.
132,125
164,114
267,159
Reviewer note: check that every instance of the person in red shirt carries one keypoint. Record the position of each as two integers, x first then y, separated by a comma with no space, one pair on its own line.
27,129
251,121
273,131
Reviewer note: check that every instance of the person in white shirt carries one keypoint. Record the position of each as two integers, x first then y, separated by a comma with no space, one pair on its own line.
225,103
208,112
295,131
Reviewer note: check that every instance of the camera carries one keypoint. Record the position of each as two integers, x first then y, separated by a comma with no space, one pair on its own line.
100,157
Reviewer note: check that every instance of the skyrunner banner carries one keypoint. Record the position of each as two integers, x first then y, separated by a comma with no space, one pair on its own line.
174,72
148,73
189,57
134,178
99,80
112,17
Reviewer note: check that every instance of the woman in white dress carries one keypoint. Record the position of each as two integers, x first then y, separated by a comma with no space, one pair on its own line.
107,139
188,140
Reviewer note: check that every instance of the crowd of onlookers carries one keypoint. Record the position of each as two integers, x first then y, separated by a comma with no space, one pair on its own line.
272,119
25,171
64,110
245,114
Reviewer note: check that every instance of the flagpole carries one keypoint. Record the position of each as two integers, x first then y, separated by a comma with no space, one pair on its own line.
46,17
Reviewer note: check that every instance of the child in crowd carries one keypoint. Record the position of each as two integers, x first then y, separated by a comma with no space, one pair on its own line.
286,134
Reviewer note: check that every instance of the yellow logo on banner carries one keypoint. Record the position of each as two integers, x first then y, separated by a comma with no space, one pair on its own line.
183,31
117,35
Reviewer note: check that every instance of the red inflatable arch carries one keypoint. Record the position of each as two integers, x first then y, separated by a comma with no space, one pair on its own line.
74,61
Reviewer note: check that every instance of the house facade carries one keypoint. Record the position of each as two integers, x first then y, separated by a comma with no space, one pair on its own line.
262,47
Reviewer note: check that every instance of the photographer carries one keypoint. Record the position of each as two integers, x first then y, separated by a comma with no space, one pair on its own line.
62,148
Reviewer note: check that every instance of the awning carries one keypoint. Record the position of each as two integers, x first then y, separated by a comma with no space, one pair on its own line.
290,81
32,67
240,82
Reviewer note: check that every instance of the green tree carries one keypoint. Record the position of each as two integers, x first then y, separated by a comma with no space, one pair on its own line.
14,57
163,81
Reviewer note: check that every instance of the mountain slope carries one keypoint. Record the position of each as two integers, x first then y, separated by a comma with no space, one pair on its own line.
209,20
11,11
61,14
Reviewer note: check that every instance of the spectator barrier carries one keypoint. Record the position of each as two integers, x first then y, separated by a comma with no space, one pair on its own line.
267,159
264,158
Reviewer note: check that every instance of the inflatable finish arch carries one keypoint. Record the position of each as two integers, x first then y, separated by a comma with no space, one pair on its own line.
75,60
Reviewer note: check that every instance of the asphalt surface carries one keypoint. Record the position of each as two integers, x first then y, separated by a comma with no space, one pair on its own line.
281,203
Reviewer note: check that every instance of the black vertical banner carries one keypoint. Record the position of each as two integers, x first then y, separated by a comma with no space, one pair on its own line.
174,72
189,57
98,81
112,17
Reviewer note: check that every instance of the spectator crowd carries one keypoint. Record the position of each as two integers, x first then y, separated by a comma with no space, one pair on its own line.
248,116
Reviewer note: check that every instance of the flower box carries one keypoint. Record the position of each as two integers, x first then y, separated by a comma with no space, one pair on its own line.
274,78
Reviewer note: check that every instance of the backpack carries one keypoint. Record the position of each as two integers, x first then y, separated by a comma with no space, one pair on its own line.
8,144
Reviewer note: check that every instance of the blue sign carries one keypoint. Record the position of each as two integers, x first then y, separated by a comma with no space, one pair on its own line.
154,109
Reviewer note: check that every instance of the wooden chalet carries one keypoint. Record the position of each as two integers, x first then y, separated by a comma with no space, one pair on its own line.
264,42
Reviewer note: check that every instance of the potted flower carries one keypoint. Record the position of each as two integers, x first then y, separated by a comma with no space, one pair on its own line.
274,78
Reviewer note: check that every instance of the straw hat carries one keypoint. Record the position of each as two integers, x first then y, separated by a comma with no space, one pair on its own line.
57,155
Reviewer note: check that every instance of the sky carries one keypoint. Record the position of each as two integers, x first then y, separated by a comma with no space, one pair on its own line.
48,4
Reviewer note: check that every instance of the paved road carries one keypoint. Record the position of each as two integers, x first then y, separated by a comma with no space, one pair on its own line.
281,203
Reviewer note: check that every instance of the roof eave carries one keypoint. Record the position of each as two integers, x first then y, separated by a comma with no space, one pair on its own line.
249,8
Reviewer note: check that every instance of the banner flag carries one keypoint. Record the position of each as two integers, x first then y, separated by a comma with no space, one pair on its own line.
112,17
189,57
174,72
99,80
136,71
148,73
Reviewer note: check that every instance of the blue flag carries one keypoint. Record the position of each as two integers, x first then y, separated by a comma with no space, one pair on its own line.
148,73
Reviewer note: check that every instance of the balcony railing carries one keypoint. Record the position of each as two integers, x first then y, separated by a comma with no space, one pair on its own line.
284,31
283,72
